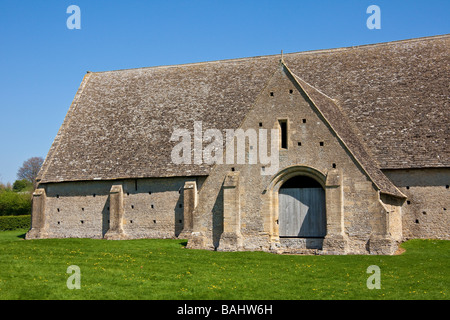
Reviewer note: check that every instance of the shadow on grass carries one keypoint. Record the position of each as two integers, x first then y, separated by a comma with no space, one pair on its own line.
183,243
22,236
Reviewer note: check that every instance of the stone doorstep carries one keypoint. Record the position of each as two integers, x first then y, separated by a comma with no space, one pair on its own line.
309,252
300,246
301,243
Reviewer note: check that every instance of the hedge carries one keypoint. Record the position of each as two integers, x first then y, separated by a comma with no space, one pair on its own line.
14,203
15,222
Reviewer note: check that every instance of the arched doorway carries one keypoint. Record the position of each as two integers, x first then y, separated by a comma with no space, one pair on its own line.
301,208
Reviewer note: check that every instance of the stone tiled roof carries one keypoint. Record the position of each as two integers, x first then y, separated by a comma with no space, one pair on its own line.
119,125
397,94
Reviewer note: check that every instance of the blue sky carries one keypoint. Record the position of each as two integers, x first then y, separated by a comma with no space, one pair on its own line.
42,62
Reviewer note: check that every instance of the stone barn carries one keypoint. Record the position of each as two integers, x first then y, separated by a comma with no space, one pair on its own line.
340,151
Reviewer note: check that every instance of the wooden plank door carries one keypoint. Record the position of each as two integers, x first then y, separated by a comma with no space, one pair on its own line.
302,212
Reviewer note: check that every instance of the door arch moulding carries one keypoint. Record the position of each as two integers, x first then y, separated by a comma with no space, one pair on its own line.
335,241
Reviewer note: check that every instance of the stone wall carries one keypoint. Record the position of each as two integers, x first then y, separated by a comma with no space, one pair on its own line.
152,208
425,213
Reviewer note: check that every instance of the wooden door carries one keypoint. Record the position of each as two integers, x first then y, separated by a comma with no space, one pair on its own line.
302,212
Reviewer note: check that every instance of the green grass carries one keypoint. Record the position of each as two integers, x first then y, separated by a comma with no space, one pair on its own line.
164,269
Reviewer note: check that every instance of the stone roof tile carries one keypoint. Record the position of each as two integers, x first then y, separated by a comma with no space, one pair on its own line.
119,125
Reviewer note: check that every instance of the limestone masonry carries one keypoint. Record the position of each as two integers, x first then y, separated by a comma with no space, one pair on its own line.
362,161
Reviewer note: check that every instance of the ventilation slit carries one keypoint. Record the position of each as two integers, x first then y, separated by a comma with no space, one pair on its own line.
283,133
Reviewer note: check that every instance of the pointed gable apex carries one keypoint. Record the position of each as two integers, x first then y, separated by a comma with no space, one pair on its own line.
339,123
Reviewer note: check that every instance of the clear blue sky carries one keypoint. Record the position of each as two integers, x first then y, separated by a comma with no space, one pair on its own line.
42,62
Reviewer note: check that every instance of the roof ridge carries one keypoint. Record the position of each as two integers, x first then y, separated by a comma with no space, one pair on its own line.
314,51
385,43
189,64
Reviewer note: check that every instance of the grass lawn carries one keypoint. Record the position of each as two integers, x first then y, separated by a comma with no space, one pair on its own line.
164,269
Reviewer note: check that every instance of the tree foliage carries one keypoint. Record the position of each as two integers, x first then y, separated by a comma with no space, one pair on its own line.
30,169
22,185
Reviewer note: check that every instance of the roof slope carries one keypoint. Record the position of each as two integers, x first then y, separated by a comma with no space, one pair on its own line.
120,122
397,95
